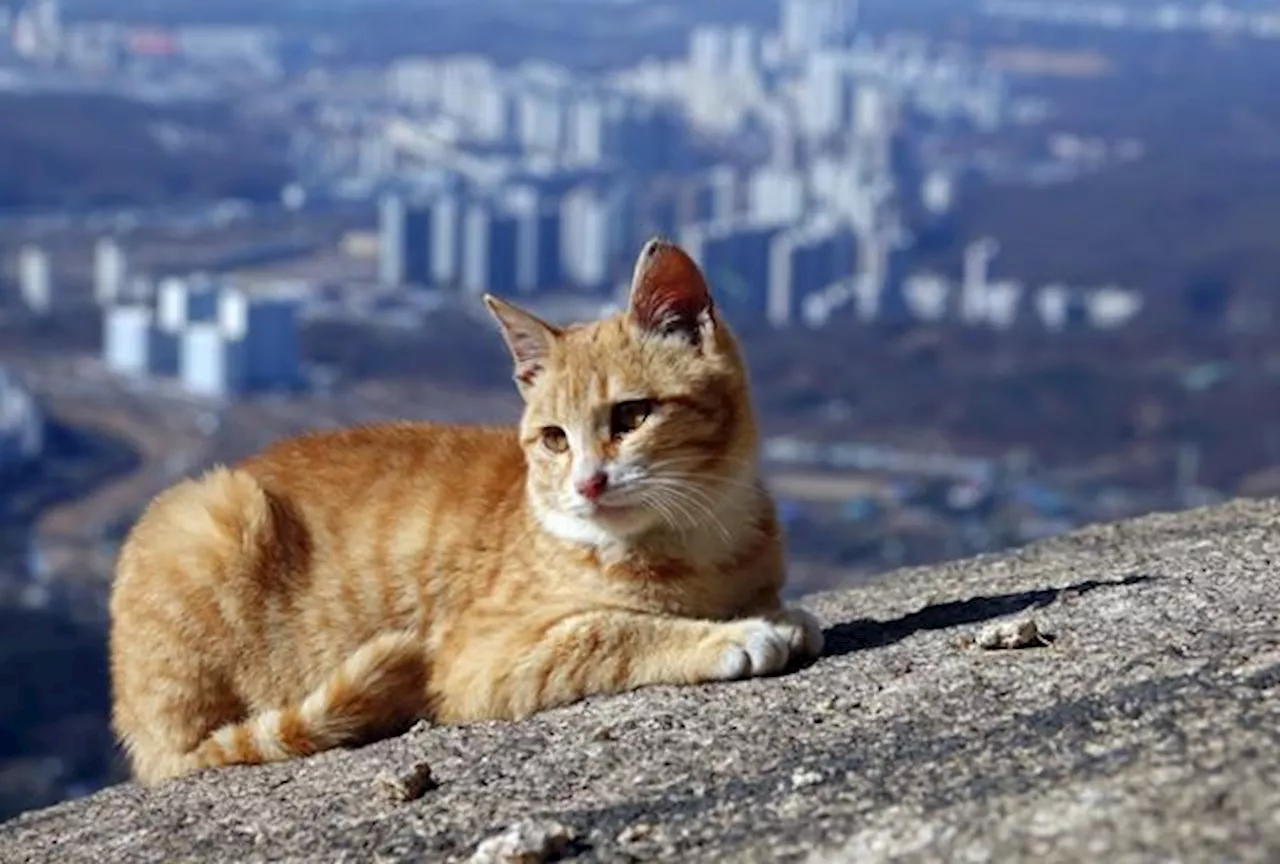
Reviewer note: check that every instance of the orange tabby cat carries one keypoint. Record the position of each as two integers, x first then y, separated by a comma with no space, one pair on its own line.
340,585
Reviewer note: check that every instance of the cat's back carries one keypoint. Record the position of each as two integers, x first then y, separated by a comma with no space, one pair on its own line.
456,462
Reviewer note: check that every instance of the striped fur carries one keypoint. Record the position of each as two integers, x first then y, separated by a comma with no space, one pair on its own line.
340,585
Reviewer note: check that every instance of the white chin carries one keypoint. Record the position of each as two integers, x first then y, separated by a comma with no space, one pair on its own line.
594,528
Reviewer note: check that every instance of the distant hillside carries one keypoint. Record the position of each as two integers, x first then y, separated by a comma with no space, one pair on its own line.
54,737
81,150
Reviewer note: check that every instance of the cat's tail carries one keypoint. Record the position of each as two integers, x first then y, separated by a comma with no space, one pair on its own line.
378,690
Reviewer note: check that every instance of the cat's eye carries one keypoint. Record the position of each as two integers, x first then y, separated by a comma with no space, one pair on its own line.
629,416
554,439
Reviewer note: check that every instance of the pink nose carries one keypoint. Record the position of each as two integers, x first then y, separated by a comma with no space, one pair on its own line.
593,487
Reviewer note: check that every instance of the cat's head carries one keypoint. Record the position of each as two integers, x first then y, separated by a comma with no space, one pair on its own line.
636,421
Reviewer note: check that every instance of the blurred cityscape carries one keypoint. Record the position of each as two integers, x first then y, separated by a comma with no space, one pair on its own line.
1002,267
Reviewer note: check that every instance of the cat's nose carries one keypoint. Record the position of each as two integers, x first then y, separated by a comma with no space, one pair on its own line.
593,486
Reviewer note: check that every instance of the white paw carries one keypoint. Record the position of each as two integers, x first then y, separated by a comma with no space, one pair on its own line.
811,640
758,647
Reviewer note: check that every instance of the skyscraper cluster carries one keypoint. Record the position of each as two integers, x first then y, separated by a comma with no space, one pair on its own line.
784,157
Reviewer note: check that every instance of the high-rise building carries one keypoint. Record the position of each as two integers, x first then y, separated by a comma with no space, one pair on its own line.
38,32
734,255
267,326
35,279
806,26
110,272
180,302
416,251
391,241
937,193
1111,306
1061,307
824,95
585,247
585,135
540,120
491,249
127,339
1004,303
743,53
722,194
446,239
775,195
927,296
709,50
216,339
184,300
976,281
537,239
803,262
213,363
880,284
420,242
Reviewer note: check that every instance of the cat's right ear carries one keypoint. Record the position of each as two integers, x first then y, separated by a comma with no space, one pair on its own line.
669,294
528,337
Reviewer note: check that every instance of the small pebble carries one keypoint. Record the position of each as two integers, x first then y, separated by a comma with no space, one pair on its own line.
407,785
1020,633
635,833
803,778
527,842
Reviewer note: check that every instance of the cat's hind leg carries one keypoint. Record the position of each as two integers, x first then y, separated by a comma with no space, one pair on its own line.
376,691
189,629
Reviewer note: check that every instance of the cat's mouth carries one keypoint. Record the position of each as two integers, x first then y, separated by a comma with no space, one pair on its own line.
607,509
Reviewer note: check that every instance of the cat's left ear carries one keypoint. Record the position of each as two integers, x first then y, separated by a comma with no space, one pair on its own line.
669,294
528,337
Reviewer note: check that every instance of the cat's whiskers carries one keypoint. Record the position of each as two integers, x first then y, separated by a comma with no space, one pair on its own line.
697,503
660,507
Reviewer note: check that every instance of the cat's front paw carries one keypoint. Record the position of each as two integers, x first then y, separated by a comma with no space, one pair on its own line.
811,641
754,647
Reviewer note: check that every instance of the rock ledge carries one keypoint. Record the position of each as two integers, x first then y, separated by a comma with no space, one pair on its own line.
1142,723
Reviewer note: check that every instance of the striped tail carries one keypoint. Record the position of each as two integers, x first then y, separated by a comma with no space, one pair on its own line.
376,691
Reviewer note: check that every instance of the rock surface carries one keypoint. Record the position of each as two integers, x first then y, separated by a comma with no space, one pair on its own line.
1146,729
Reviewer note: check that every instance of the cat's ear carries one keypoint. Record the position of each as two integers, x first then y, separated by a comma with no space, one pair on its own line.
669,294
529,338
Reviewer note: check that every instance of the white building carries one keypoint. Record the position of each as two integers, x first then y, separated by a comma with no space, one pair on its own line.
1053,305
709,50
391,213
182,301
35,279
1004,303
585,135
540,121
127,339
775,195
804,262
824,95
744,53
110,272
938,193
1111,307
806,26
216,340
926,296
213,362
585,248
974,285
